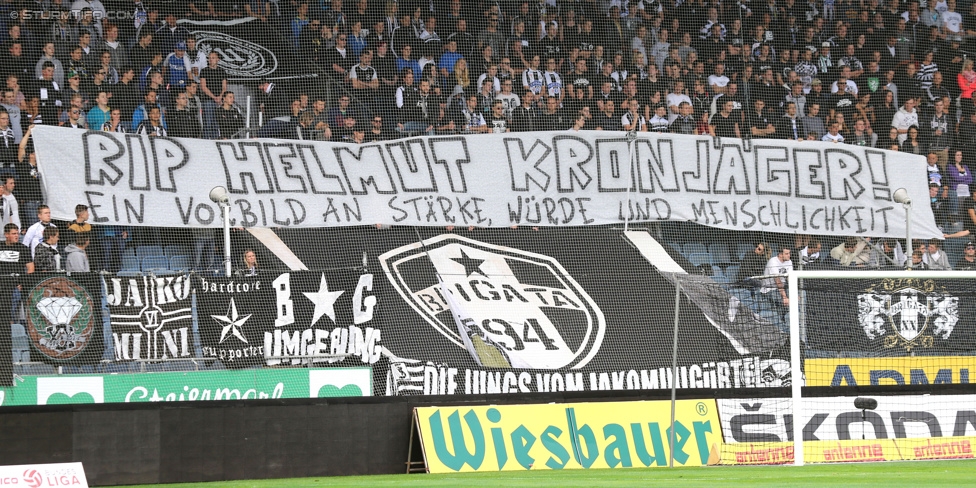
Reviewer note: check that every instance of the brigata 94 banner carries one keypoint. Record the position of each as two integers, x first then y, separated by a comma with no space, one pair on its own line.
496,180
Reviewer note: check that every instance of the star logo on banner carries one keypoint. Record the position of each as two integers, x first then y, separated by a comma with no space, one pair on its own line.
324,301
471,265
233,322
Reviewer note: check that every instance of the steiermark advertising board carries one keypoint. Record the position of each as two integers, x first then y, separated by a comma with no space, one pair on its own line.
188,386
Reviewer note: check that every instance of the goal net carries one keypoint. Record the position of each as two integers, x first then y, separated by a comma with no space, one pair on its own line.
885,359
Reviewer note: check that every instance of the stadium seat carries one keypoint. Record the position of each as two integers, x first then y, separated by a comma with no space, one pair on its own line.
155,263
717,274
129,272
130,263
129,251
179,263
144,251
742,249
720,253
731,272
34,369
693,248
173,250
21,344
700,258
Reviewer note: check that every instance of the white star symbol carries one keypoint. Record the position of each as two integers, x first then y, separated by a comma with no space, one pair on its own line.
324,301
233,322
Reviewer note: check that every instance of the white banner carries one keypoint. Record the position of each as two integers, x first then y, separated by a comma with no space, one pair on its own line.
494,180
44,475
835,418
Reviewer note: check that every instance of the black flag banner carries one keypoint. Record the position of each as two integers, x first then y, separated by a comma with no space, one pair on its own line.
64,317
289,318
888,317
151,317
475,312
233,315
248,48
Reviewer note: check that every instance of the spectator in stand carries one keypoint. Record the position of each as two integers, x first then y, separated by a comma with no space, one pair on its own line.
469,118
968,260
813,122
723,124
46,255
790,126
15,259
8,145
176,67
967,83
912,144
49,93
852,252
957,180
100,113
862,135
937,201
213,84
49,57
934,257
774,289
833,133
525,117
153,124
10,209
905,118
142,111
419,111
115,123
182,121
76,255
35,233
938,127
229,119
759,125
497,122
249,263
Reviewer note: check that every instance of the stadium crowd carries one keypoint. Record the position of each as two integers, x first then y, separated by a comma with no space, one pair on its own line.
892,75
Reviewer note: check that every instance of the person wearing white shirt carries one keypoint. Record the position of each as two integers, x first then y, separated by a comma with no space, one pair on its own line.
35,234
11,210
833,134
718,81
675,98
775,288
904,118
951,20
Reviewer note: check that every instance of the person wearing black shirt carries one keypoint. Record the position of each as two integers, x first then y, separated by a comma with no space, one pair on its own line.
842,102
790,126
552,118
723,124
524,117
229,119
968,260
15,258
685,122
49,94
28,189
213,83
181,120
125,93
759,125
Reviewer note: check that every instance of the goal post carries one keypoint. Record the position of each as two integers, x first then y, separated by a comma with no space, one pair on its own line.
797,326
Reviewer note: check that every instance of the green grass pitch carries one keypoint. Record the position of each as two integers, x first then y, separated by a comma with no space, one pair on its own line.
889,475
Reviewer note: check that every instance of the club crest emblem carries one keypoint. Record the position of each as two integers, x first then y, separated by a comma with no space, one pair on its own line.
60,318
520,309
